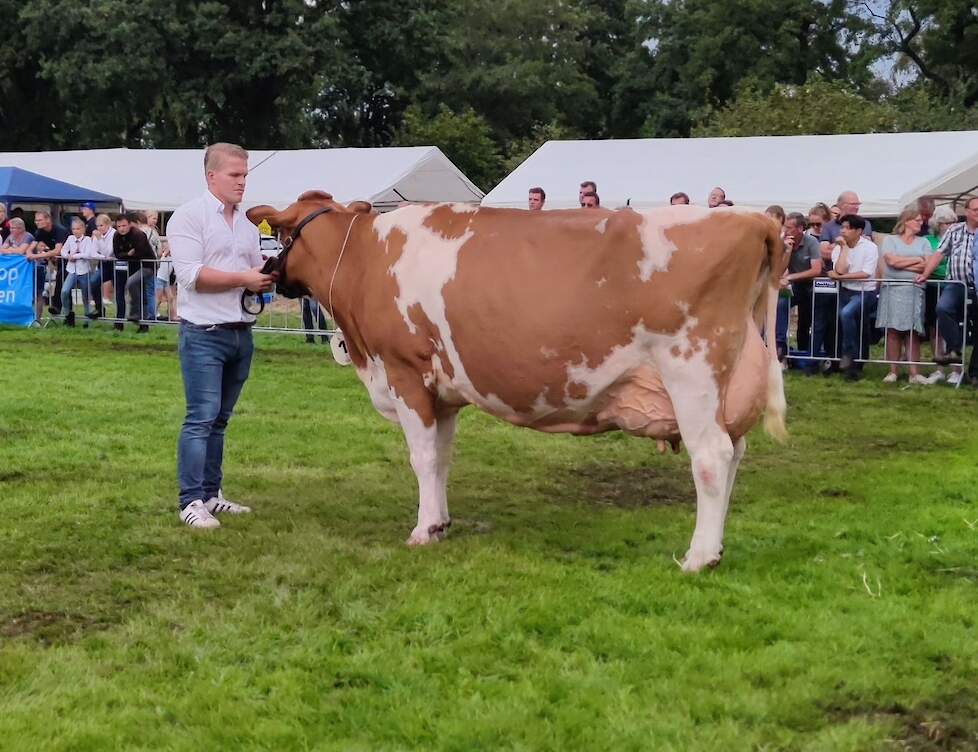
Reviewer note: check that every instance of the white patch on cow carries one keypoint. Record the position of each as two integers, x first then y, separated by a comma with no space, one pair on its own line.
463,208
548,352
374,377
602,225
657,249
601,282
428,262
644,346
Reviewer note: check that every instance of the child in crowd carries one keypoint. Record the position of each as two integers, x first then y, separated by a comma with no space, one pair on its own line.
78,250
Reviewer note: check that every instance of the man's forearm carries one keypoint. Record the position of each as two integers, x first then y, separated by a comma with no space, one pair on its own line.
805,275
214,280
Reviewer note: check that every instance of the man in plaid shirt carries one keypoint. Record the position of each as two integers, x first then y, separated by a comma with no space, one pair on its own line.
957,246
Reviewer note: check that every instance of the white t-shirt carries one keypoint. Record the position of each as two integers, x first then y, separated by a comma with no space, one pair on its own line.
862,258
199,236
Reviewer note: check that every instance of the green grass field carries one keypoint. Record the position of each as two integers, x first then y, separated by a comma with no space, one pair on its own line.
843,616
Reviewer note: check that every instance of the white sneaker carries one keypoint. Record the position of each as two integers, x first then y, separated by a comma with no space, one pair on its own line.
938,375
890,378
954,379
219,505
196,514
919,379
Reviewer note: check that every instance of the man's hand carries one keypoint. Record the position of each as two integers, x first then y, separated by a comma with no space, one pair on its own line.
255,281
832,274
921,279
785,282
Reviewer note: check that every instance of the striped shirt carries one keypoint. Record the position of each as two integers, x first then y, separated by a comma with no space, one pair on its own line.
956,246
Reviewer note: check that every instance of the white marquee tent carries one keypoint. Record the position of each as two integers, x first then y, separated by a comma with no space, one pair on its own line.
887,170
165,178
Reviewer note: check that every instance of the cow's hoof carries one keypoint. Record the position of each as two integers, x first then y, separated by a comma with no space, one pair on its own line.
695,561
422,536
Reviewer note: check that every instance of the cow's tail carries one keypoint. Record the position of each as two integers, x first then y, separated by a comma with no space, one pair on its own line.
776,406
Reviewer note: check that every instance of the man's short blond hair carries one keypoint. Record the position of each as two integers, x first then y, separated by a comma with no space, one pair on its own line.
17,224
215,154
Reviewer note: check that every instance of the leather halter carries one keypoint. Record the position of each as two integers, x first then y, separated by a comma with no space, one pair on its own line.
277,263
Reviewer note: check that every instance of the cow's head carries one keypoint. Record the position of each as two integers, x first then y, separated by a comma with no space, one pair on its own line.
289,224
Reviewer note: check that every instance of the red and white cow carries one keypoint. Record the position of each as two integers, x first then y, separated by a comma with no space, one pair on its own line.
564,321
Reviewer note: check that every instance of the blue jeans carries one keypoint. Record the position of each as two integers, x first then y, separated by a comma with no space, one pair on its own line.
215,364
856,312
149,297
120,277
950,313
69,284
136,286
311,312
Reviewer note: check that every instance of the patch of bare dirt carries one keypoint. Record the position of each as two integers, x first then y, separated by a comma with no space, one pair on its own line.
49,627
634,486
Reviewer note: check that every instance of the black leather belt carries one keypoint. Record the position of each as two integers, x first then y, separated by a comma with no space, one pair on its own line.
232,325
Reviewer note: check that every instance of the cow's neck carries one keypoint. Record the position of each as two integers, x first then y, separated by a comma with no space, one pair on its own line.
334,265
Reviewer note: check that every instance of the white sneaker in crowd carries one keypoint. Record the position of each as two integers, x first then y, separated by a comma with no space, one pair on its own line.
919,379
219,505
196,514
937,376
954,379
890,378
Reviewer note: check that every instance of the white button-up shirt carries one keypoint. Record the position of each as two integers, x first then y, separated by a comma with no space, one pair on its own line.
199,236
78,251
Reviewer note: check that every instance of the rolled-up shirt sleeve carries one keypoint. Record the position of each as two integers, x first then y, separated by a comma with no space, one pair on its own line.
186,249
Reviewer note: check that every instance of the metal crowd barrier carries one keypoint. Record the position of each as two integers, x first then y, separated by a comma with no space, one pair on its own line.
155,299
825,331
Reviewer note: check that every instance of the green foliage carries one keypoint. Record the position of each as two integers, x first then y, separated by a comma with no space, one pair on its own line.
820,107
301,73
551,618
697,53
465,138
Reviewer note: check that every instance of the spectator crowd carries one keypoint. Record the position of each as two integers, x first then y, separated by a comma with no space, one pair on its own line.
850,290
121,259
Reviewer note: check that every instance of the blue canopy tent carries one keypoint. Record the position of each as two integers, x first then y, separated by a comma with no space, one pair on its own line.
23,186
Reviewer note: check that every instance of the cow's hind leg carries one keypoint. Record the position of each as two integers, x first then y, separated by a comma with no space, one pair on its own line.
445,439
739,447
695,396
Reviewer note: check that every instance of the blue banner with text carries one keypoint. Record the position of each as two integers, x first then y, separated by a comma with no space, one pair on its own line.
16,291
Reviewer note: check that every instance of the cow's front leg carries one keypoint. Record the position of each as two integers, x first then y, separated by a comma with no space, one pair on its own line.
428,452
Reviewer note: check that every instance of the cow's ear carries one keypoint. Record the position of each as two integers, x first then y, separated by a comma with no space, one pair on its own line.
360,207
318,196
287,218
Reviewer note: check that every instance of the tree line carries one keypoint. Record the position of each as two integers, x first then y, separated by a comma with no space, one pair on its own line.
488,82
